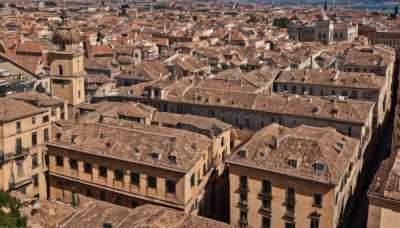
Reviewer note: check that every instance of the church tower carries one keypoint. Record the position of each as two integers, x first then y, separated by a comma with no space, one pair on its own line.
66,63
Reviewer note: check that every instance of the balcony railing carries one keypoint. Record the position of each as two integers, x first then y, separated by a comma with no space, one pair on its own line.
289,214
291,199
5,157
265,209
243,203
265,194
244,187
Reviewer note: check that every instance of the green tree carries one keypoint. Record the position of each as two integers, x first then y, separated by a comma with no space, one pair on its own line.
195,18
253,19
294,18
9,211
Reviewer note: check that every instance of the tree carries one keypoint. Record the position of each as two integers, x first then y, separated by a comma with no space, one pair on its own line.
9,211
195,18
100,36
294,18
253,19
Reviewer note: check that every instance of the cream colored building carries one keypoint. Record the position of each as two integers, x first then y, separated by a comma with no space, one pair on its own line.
23,131
134,164
291,177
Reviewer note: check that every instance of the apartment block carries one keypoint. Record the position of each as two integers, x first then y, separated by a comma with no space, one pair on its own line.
294,177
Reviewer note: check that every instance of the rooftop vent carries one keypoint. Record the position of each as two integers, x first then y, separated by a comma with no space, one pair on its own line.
108,144
194,145
335,110
103,136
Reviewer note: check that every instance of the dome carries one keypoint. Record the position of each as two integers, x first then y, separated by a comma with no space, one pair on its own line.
66,32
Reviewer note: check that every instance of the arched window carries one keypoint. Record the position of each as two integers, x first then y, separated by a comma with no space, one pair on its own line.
79,94
60,70
63,45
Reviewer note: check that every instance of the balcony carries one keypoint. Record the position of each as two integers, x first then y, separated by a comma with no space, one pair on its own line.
266,195
290,199
289,214
244,187
19,182
243,203
21,152
243,222
264,210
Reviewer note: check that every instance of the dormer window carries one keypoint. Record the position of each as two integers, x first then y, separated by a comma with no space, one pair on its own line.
129,92
173,158
319,167
242,154
292,163
154,156
335,111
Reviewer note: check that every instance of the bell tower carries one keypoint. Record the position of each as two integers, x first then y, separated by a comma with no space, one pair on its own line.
66,63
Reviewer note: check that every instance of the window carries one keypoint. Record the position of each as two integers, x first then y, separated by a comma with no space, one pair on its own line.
151,182
60,70
34,160
311,91
34,139
33,120
204,169
87,167
291,193
266,222
294,89
349,131
170,186
73,164
35,181
133,204
266,204
290,225
290,209
242,154
18,146
243,198
319,167
79,94
243,182
103,171
154,156
53,112
314,223
89,192
118,174
18,125
266,187
135,178
192,180
45,119
292,163
317,199
46,135
59,161
243,216
63,45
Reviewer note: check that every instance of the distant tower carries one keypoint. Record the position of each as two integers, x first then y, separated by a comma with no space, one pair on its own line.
326,6
66,63
396,10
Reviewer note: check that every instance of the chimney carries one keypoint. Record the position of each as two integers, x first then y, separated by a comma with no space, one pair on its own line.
73,137
274,143
211,134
